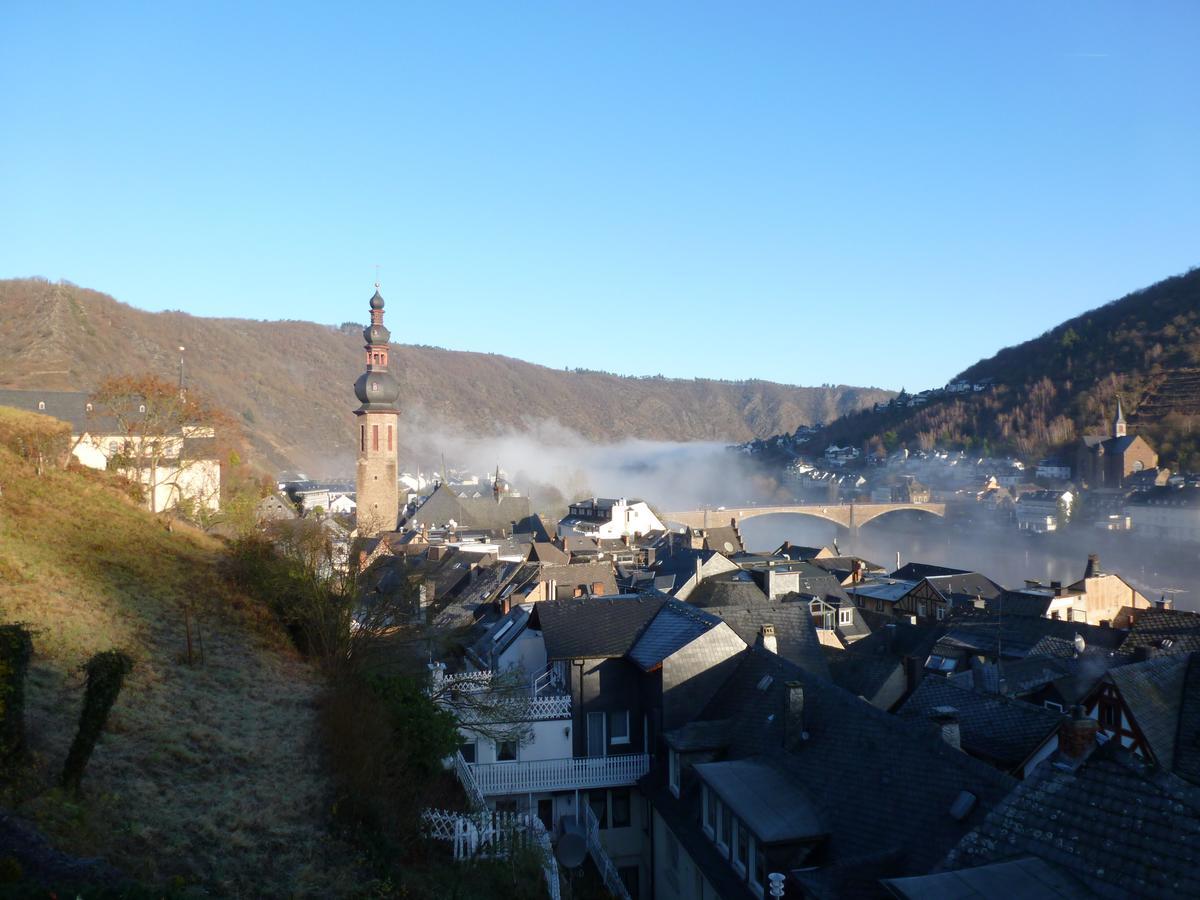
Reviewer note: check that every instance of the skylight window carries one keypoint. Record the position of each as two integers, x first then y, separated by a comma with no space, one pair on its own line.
765,682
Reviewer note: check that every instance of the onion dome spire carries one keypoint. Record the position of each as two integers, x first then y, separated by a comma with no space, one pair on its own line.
377,388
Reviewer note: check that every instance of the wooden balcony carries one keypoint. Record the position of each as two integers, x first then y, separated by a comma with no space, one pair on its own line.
539,776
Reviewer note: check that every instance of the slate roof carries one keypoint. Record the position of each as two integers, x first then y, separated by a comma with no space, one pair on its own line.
594,627
491,643
67,406
866,666
680,563
567,577
733,589
998,729
965,586
697,736
676,625
1153,692
485,513
978,631
1187,738
724,538
915,571
1118,824
1019,603
763,796
546,552
868,772
795,635
1023,878
841,567
1153,626
792,551
890,591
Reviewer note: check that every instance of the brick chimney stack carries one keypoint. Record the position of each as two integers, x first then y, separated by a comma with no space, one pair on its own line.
1077,735
767,638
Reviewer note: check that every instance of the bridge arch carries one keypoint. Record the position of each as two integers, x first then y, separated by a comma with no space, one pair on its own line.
846,515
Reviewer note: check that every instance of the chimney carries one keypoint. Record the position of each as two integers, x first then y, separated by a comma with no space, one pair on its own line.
1056,586
914,671
890,633
1093,566
1162,603
766,637
437,674
793,720
945,718
787,546
699,566
1077,735
597,588
856,571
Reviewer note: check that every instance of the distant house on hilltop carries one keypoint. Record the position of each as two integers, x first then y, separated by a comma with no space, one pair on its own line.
182,472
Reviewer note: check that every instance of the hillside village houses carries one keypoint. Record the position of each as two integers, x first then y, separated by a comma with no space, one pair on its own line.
687,718
186,466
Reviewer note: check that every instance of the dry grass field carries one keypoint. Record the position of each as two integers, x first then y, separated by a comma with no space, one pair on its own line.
208,774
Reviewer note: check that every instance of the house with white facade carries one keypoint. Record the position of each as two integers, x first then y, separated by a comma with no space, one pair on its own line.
605,519
1043,511
182,469
606,676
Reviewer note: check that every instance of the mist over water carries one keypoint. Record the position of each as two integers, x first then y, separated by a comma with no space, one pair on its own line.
670,475
689,475
1002,554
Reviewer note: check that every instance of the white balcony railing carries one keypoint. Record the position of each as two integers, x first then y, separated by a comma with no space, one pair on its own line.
559,774
559,707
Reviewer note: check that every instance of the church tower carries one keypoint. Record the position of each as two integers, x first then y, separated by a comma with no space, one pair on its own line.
378,497
1119,424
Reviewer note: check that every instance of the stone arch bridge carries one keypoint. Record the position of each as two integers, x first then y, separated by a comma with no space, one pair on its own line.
851,516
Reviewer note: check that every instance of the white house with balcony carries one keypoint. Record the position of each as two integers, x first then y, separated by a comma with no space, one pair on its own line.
609,519
601,677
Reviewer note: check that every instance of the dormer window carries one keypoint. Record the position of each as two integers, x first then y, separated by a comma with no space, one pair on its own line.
41,404
88,407
142,408
845,617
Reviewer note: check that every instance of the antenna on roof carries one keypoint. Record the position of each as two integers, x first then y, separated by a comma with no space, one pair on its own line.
376,276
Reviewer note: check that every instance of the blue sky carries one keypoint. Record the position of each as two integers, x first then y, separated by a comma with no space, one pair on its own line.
872,193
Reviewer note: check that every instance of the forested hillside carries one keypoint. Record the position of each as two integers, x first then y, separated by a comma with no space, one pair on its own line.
1143,348
290,382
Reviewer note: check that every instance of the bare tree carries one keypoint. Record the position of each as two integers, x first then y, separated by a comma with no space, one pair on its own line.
167,438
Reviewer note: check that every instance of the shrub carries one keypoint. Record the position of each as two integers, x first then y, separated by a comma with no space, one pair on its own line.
105,674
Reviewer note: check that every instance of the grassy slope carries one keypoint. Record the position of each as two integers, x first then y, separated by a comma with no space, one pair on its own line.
206,772
291,382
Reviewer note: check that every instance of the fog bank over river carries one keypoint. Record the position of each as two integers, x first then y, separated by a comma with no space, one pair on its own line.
1003,554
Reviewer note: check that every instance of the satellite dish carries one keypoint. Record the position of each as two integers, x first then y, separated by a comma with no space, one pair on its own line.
571,849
